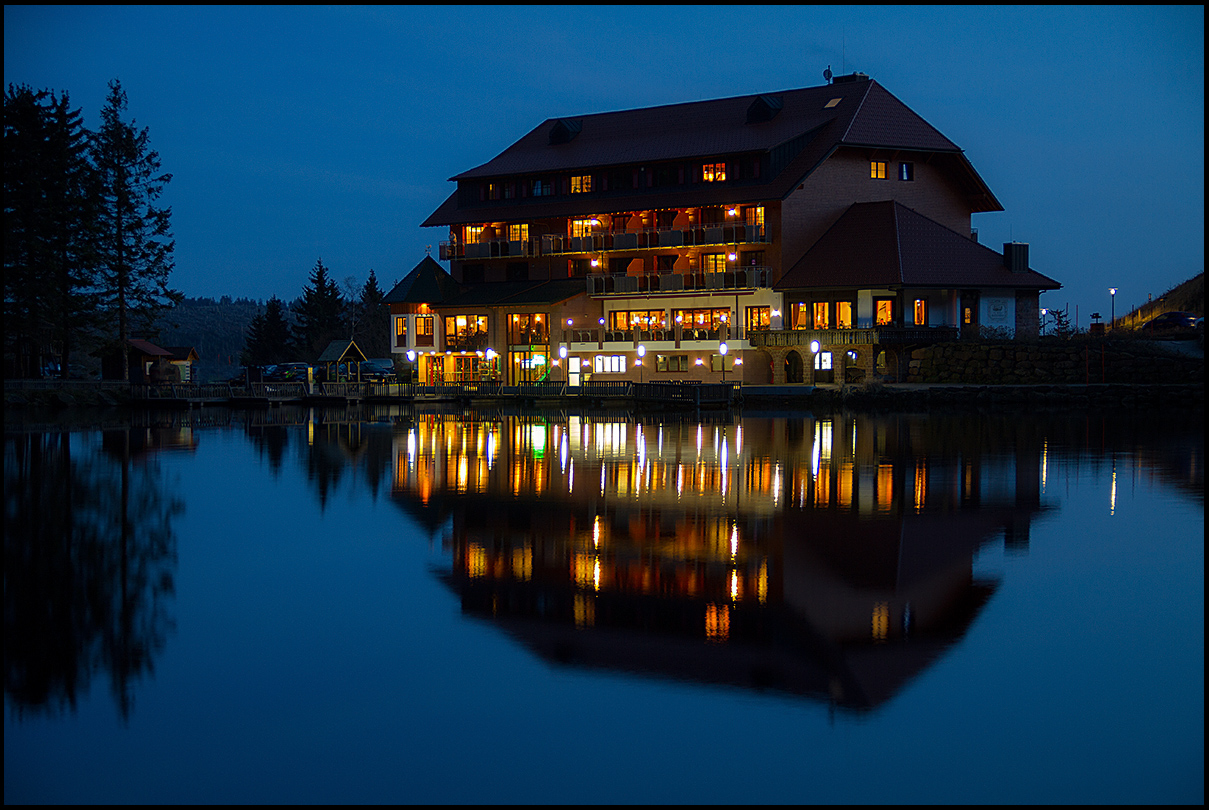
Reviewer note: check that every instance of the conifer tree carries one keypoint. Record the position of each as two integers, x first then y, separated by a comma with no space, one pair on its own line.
50,214
372,331
268,338
135,240
319,314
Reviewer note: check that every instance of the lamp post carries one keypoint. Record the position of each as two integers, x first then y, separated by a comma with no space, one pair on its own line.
722,351
1112,321
641,354
1044,312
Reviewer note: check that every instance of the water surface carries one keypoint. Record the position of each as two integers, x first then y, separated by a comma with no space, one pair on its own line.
398,606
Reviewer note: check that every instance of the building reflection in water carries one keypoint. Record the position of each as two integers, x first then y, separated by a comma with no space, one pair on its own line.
830,558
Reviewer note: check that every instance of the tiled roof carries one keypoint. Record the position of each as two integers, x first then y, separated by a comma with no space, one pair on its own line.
148,348
886,244
427,283
799,135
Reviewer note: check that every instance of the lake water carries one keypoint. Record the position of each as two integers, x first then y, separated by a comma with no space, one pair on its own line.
398,606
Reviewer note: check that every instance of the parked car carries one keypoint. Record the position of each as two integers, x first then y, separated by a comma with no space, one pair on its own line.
379,371
1171,323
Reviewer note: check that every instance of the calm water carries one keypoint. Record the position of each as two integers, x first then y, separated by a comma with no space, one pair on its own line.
364,606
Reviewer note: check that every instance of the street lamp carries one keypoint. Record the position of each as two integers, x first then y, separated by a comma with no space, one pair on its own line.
722,351
1112,291
1044,312
641,354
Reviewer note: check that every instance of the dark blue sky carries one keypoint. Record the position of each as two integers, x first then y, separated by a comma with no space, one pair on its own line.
300,133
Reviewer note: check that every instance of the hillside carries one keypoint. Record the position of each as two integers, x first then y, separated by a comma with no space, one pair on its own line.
1186,297
216,329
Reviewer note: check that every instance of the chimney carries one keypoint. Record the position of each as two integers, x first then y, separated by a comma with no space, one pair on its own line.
1015,256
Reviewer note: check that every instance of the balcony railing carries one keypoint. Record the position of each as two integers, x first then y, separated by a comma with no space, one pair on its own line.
644,336
558,244
743,278
555,244
853,337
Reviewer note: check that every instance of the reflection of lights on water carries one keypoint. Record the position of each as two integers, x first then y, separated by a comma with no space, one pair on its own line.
762,582
1044,464
717,622
734,585
776,485
881,621
734,540
1112,498
596,532
411,448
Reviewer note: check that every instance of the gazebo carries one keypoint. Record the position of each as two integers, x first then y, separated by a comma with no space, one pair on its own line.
337,352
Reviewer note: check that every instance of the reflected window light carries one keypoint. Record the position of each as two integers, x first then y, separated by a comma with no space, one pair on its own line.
717,622
476,561
1112,497
585,610
735,586
762,582
881,621
522,564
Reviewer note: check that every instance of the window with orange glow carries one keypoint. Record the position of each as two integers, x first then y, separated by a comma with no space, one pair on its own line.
713,172
400,331
921,312
843,315
877,170
424,330
518,233
884,311
581,184
821,315
472,234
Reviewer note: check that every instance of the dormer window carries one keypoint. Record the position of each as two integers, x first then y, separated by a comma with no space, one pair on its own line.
713,172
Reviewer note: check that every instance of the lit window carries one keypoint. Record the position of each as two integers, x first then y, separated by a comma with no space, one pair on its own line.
400,331
877,170
714,263
885,312
713,172
821,320
606,364
583,227
473,233
758,318
921,312
581,184
755,216
518,233
843,314
906,171
832,103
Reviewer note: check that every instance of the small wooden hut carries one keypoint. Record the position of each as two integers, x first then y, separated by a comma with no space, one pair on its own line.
337,353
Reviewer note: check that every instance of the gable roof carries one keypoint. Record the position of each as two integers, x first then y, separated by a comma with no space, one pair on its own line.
186,353
794,129
338,349
148,348
427,283
886,244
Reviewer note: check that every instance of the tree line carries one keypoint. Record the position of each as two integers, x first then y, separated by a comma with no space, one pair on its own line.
325,311
88,250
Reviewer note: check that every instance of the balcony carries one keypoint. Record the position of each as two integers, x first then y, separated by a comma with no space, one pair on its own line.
878,335
743,278
720,235
632,337
490,249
